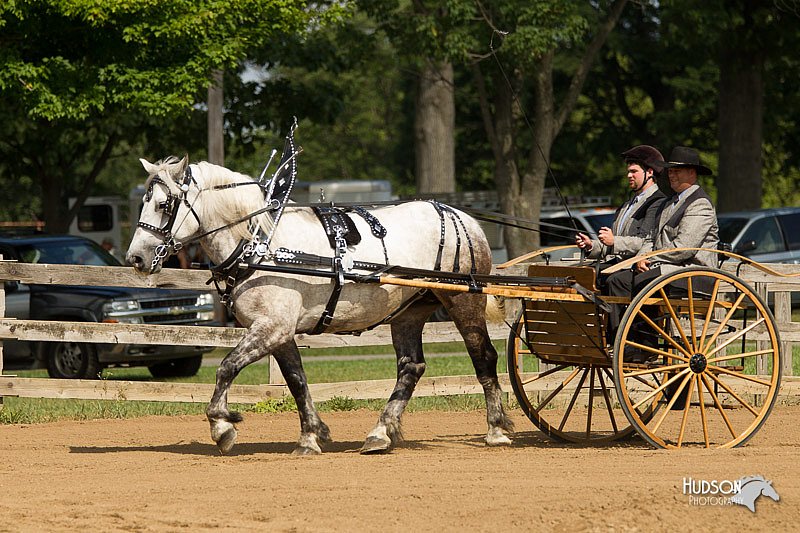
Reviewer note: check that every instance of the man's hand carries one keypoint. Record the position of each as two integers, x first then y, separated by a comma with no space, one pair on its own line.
643,266
583,242
606,236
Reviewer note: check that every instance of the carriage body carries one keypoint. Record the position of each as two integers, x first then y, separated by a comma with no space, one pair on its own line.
695,360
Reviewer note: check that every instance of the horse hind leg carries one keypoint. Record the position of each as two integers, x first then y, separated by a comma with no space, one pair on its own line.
468,312
407,341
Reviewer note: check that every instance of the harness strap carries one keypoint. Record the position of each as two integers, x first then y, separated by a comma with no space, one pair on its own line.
327,314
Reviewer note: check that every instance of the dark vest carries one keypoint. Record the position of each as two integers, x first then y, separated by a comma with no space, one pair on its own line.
645,218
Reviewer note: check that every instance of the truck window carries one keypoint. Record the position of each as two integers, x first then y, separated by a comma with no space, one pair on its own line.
766,234
95,218
791,228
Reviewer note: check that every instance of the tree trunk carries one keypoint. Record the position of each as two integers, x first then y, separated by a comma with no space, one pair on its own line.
54,204
506,171
741,110
216,132
434,129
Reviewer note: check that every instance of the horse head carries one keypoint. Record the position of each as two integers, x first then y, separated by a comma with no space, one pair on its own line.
168,216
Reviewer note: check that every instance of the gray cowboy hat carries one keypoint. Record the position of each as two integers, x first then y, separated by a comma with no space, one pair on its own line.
644,154
685,157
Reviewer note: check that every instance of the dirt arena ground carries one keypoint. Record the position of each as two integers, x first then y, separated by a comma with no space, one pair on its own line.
164,474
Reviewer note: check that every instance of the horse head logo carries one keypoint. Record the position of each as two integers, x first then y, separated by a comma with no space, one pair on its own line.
751,488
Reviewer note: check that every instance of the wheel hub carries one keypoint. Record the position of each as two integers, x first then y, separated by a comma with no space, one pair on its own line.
698,363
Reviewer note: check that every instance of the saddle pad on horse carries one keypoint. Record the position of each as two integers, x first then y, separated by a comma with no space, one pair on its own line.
337,224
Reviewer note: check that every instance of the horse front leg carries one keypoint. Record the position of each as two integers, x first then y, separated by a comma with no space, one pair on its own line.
313,431
221,419
407,341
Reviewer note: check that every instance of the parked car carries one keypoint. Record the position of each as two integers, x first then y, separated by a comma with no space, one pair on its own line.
587,220
68,359
765,235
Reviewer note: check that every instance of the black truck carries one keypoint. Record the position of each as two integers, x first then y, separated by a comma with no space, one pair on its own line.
79,360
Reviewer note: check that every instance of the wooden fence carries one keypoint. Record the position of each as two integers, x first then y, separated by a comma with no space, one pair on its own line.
778,289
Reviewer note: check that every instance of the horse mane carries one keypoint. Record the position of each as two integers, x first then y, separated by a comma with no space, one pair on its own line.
232,203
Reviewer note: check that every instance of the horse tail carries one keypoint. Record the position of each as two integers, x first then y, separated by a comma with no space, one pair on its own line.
500,309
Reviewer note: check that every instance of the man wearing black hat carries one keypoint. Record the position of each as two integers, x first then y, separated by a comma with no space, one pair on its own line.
686,220
637,217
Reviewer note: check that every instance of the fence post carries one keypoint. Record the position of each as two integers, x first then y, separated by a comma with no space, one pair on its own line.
760,288
783,315
2,314
275,374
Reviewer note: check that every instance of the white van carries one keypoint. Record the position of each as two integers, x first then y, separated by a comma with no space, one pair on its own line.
101,219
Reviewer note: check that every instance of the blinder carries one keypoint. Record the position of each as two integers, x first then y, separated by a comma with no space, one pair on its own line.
170,208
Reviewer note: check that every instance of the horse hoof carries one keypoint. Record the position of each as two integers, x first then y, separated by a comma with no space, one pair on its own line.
497,438
226,441
302,451
375,445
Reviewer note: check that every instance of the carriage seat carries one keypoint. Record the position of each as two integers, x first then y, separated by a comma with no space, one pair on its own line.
566,332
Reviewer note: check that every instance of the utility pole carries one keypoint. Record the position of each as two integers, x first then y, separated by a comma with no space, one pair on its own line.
216,136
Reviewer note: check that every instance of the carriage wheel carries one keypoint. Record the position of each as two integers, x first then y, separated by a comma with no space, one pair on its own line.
703,345
569,403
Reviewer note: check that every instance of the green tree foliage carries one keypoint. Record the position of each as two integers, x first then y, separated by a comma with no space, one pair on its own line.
79,76
349,89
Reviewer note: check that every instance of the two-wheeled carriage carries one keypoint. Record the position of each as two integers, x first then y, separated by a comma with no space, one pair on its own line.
695,360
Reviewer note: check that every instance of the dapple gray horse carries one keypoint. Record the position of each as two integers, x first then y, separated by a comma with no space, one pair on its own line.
200,205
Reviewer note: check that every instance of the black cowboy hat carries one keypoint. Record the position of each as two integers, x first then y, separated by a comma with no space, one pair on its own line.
643,153
685,157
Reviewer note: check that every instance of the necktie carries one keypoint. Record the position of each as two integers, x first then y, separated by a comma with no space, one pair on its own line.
627,212
673,203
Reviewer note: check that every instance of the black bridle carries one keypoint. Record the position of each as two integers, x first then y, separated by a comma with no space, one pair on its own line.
170,208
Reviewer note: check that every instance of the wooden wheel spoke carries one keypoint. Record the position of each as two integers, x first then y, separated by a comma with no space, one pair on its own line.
675,318
736,336
732,393
721,410
709,313
662,333
659,389
672,401
653,370
591,402
740,355
724,322
572,400
685,416
700,401
723,370
692,327
557,389
608,401
546,373
662,353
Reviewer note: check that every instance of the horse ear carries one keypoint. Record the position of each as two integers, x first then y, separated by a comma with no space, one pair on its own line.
148,166
182,164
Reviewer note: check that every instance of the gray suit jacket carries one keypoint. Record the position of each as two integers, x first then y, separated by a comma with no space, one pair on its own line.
689,223
628,238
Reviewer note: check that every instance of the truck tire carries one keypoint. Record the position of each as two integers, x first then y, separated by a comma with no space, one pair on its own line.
177,368
72,360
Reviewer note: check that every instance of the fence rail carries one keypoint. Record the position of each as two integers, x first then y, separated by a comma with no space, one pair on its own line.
777,289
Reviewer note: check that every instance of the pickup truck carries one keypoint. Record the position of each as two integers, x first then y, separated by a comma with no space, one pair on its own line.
96,304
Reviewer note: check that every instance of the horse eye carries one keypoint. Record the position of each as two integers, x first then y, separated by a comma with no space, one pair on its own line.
148,195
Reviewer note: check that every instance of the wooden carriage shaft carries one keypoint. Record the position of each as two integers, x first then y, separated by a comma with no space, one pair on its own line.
532,293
